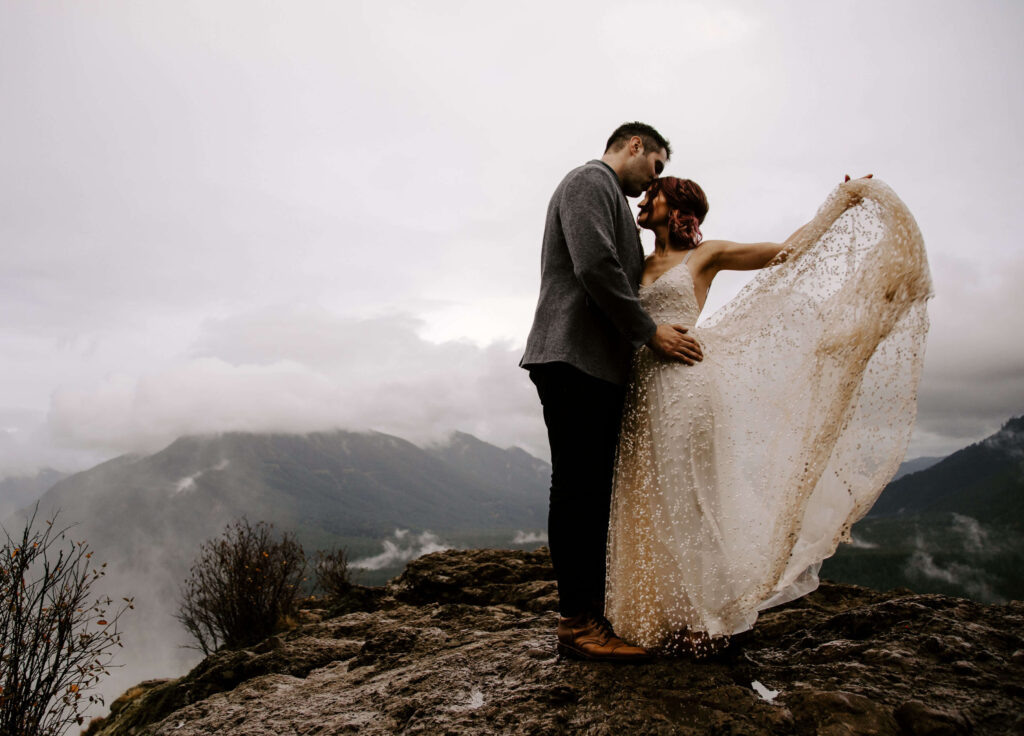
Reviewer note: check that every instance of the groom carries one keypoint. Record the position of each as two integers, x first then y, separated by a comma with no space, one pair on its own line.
588,323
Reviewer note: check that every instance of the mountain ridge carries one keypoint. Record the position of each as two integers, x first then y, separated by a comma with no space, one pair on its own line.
339,484
984,480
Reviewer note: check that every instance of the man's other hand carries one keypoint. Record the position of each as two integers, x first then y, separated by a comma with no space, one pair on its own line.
673,342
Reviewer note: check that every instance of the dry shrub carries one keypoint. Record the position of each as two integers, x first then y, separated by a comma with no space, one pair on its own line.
242,585
332,574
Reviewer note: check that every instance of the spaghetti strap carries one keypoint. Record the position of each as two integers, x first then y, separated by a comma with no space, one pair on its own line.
688,254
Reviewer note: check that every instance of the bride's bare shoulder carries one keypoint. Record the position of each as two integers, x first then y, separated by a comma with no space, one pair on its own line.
708,250
713,245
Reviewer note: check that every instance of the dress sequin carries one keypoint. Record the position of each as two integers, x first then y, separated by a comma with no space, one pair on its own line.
737,476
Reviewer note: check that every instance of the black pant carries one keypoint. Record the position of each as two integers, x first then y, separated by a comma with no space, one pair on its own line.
582,414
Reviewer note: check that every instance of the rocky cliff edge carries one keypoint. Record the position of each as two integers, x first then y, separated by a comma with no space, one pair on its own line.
463,643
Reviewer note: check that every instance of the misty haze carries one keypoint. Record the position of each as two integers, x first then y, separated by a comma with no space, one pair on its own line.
279,263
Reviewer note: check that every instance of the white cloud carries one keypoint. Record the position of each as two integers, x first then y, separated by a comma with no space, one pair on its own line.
522,537
861,543
974,540
400,549
308,370
26,446
973,580
188,483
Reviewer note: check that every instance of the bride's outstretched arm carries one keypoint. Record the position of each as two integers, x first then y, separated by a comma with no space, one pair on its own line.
725,255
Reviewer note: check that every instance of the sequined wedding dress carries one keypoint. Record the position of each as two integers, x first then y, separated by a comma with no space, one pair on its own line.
737,476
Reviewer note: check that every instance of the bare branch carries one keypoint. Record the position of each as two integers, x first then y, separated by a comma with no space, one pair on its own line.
55,640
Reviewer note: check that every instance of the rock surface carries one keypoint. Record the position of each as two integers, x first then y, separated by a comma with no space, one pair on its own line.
463,643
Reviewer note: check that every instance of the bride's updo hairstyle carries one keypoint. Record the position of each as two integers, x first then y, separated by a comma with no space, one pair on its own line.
688,206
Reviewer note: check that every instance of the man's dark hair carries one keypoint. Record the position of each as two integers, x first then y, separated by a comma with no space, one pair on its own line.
653,140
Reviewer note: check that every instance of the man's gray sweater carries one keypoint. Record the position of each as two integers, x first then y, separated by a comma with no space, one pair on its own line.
588,313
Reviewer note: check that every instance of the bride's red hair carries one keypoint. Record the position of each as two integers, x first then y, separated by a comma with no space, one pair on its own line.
688,206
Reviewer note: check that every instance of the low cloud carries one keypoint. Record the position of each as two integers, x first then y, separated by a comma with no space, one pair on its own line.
974,581
522,537
975,537
401,548
967,534
306,369
302,369
861,544
309,370
188,483
27,445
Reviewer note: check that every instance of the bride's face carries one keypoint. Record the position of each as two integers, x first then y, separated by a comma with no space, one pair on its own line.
653,212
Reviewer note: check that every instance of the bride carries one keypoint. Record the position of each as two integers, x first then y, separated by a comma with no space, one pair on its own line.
737,476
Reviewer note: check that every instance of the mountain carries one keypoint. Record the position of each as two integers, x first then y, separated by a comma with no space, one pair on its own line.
19,491
463,643
984,481
953,527
513,469
915,465
329,487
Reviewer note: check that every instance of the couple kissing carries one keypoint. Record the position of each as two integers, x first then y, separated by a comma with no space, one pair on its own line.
702,474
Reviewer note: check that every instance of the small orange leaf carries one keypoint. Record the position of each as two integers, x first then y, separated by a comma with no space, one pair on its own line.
102,622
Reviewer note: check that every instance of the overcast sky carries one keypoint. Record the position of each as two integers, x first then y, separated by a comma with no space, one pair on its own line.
303,215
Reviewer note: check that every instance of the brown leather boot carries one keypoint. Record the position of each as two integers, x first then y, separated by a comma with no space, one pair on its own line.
591,638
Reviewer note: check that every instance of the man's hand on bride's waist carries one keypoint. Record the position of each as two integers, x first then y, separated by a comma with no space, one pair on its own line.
674,343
